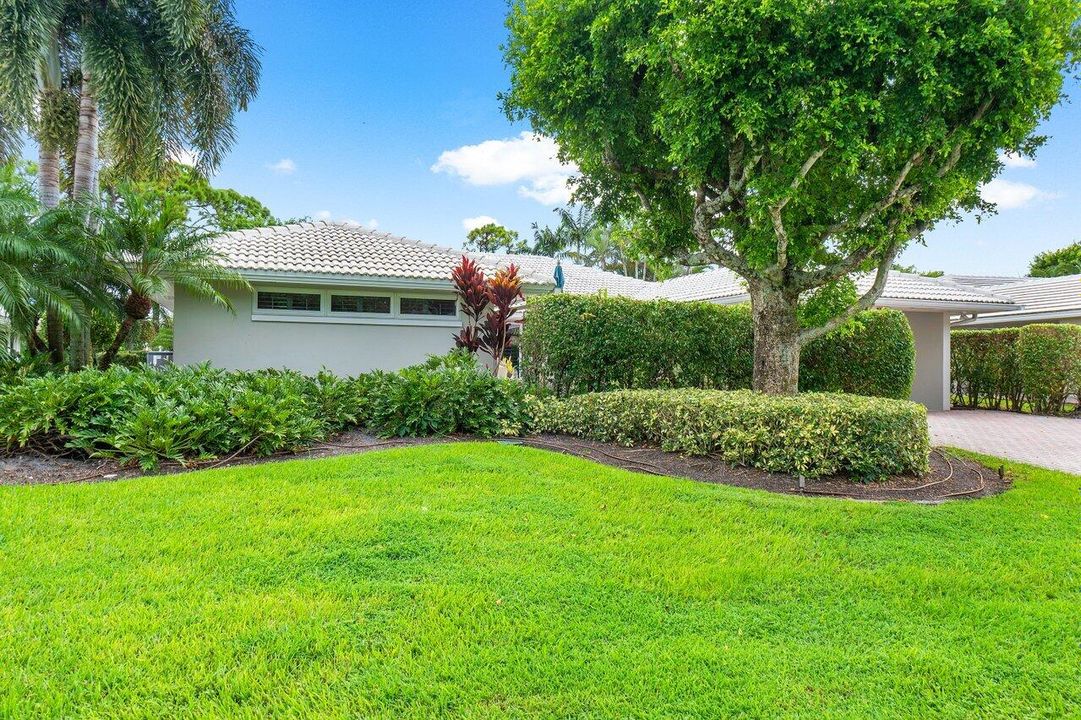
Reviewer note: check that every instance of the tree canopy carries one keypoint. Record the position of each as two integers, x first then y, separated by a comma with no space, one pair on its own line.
225,208
493,238
1056,263
798,141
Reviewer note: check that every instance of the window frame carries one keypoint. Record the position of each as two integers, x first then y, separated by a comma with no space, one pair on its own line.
291,290
363,294
326,316
426,296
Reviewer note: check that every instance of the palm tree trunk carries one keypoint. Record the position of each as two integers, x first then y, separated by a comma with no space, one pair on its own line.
54,336
85,187
121,335
86,150
49,176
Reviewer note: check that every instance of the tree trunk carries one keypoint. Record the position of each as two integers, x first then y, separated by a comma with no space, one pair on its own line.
49,176
54,336
121,335
776,341
85,183
136,307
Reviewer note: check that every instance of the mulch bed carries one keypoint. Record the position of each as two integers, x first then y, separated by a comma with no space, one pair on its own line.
950,477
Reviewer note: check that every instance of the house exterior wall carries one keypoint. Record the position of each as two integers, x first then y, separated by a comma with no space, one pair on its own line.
931,385
204,332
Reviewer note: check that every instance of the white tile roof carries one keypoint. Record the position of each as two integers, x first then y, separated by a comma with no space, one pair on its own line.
578,279
723,285
345,249
327,249
983,281
1052,298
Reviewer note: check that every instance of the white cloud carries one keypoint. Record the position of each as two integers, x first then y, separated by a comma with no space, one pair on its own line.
479,221
1008,194
285,166
1016,161
185,156
323,215
528,159
372,224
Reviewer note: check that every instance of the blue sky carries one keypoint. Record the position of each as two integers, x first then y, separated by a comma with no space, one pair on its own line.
387,112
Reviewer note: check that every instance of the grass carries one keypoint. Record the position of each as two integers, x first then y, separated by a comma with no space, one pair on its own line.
486,581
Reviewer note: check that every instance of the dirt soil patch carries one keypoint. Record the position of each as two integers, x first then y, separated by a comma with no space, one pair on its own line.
949,478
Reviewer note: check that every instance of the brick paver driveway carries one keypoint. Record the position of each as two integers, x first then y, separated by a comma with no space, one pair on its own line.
1051,442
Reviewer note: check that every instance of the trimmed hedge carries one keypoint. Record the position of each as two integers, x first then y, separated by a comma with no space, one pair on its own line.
1050,360
575,344
813,434
1038,365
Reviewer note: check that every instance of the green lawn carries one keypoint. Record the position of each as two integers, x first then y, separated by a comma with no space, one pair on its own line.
480,580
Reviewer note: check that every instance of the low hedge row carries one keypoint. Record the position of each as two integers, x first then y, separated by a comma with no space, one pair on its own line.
1007,369
183,414
814,434
574,344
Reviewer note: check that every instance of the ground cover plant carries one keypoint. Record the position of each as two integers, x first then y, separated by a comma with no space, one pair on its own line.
487,581
573,344
185,414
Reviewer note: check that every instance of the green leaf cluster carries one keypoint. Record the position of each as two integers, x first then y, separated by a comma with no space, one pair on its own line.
573,344
1036,367
813,434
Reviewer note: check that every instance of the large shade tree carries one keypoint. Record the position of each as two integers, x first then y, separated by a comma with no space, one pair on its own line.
797,142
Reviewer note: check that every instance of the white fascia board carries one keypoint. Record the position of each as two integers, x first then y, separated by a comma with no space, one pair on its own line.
950,306
1017,318
278,277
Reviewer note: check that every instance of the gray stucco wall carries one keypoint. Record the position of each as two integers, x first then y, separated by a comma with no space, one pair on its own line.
931,386
204,332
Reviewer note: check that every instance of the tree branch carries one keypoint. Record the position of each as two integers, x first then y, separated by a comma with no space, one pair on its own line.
775,212
868,298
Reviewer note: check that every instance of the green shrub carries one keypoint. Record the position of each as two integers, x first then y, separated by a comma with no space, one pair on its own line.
575,344
1049,357
874,355
1035,365
178,414
814,434
984,369
447,394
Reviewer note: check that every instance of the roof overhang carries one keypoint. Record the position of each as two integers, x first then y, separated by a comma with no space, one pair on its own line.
1018,318
369,281
903,304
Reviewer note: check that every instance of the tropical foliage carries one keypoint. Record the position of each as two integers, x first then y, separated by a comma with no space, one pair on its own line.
159,79
189,414
795,144
147,242
488,305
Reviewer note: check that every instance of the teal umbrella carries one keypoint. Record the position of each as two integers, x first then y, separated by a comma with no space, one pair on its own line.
558,276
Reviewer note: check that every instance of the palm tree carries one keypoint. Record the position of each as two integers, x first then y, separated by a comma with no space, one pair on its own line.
157,76
146,242
38,254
